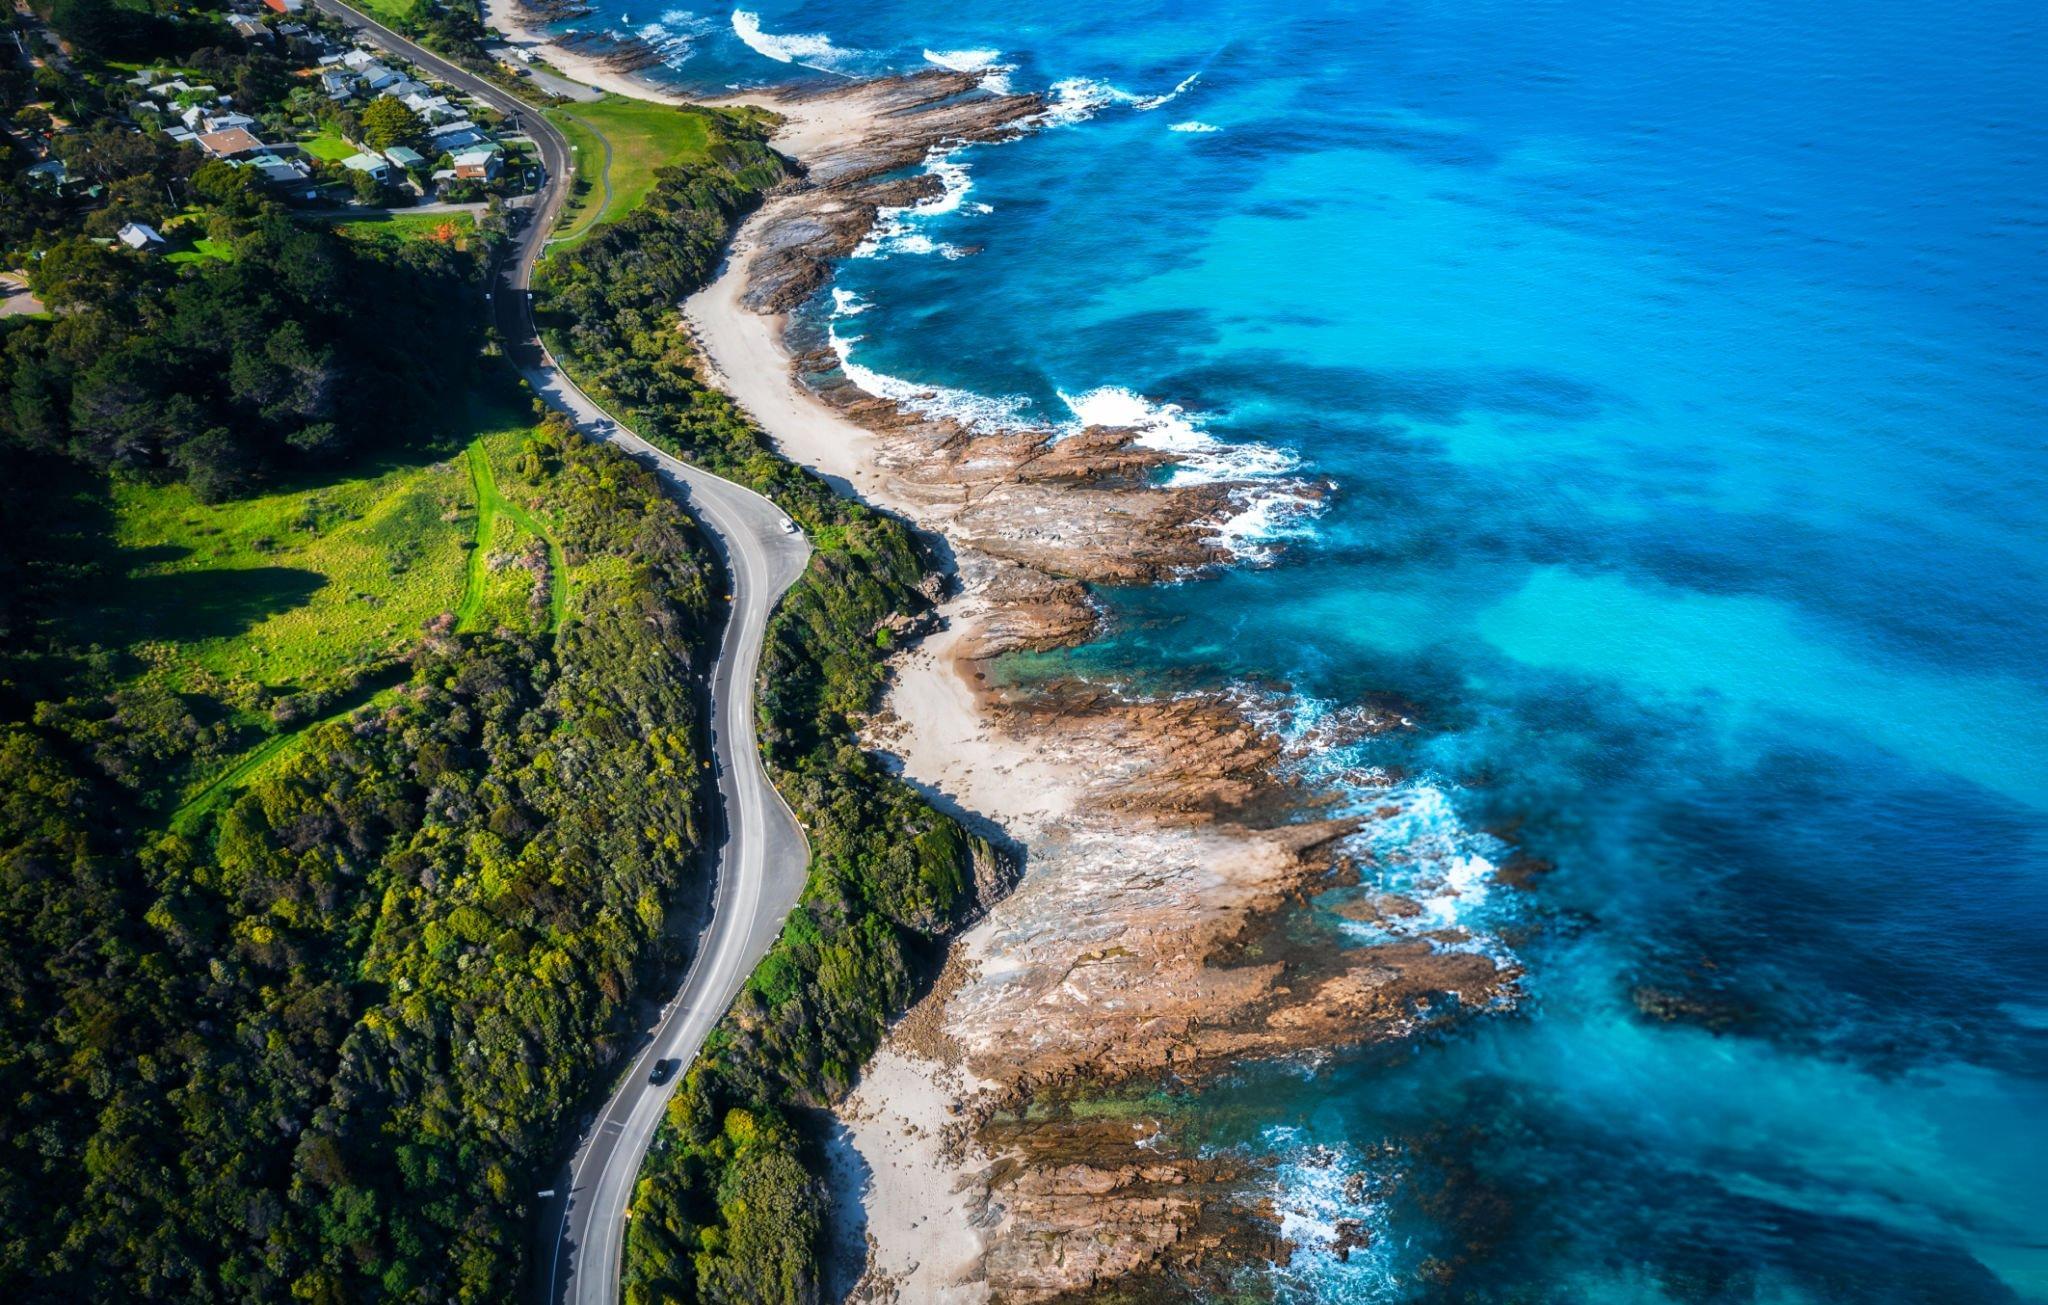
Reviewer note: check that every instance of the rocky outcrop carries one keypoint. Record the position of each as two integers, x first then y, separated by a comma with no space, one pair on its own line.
887,126
1162,842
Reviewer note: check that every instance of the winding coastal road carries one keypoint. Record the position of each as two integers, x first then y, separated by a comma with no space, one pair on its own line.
764,858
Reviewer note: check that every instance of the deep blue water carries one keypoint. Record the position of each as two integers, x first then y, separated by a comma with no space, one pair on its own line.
1679,373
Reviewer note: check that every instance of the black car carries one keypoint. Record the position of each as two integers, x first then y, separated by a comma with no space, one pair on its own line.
664,1070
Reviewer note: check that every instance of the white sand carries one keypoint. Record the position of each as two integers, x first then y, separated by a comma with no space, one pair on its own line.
923,1242
748,361
505,16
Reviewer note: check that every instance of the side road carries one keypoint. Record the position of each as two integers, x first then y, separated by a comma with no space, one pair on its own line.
764,858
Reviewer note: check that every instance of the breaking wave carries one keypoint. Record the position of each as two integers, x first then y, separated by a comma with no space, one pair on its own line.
974,411
994,78
896,230
814,51
1077,99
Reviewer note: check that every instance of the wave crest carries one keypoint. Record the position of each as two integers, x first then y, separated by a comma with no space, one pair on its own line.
814,50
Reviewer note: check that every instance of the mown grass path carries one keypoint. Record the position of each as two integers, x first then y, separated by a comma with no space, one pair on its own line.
187,818
490,502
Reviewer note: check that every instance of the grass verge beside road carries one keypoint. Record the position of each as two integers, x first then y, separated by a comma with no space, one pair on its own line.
612,182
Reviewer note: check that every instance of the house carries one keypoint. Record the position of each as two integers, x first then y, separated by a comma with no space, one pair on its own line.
137,236
479,164
338,84
405,158
428,105
50,174
453,136
249,29
373,164
230,143
284,6
377,76
218,121
279,171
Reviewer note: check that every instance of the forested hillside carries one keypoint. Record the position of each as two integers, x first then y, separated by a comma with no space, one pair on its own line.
319,1046
350,729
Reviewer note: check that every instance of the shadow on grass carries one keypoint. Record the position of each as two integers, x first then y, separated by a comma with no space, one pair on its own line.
190,606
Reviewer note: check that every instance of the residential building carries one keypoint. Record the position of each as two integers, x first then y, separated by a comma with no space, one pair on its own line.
137,236
374,164
233,142
279,171
479,164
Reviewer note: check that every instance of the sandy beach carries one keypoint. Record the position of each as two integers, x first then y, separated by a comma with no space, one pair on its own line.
507,17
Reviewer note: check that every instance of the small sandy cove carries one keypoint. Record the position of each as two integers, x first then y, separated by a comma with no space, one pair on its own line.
508,17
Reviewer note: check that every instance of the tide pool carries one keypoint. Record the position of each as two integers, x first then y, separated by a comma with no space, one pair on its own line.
1679,375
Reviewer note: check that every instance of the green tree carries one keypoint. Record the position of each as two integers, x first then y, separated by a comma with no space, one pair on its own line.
388,122
368,189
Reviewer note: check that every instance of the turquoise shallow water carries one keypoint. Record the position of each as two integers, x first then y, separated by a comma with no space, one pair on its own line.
1678,373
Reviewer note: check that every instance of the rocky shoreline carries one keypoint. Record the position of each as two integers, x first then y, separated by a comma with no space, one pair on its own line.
1161,840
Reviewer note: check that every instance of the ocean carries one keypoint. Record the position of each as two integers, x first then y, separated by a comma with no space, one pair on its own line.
1675,378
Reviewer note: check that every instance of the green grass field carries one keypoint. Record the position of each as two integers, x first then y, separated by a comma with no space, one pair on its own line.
398,227
203,248
642,137
328,145
394,14
318,588
296,589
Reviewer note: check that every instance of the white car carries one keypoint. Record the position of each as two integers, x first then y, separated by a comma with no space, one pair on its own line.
788,526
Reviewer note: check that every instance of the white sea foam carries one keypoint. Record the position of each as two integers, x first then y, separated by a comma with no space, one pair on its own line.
1317,1191
1195,127
1077,99
995,75
1266,517
1414,837
976,411
897,230
674,35
1262,515
814,51
1200,457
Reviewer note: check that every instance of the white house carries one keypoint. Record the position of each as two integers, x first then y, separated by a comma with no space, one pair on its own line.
374,165
137,236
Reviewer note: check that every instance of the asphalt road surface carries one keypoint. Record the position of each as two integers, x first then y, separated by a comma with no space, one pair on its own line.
764,857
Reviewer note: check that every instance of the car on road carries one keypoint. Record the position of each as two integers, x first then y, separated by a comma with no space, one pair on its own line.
664,1070
788,526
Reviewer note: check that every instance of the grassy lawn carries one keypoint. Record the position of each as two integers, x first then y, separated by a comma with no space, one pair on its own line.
203,248
394,14
323,587
298,589
328,145
320,587
400,227
642,136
